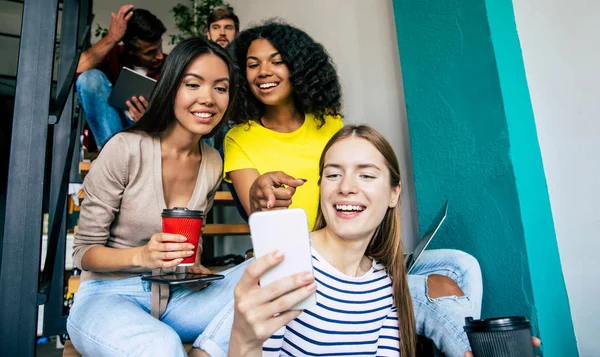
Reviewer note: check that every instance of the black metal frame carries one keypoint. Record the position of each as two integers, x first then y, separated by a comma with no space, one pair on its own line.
22,290
66,129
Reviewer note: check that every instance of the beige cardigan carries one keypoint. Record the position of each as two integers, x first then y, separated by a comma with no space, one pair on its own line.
124,198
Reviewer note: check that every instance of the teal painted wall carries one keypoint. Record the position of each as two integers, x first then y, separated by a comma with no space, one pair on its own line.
465,136
549,291
459,143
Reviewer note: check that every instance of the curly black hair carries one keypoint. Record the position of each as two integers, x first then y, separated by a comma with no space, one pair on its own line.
315,83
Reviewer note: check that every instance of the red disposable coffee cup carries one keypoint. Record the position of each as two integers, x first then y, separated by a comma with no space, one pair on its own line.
187,223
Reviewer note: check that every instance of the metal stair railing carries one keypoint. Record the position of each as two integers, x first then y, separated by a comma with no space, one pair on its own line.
37,119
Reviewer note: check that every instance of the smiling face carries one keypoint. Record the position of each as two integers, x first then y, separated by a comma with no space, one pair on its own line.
203,95
268,76
355,189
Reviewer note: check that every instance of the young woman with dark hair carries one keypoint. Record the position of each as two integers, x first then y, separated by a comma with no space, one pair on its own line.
158,163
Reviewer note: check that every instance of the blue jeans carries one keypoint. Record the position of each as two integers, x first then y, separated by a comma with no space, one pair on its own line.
93,90
440,320
112,317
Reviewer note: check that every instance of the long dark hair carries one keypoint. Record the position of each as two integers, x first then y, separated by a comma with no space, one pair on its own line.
160,112
386,245
315,83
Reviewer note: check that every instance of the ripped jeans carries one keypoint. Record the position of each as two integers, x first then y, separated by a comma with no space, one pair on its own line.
441,319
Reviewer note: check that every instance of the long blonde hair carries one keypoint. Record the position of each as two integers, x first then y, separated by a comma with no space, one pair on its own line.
386,245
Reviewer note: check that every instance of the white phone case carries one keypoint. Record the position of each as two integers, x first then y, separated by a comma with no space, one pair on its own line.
285,230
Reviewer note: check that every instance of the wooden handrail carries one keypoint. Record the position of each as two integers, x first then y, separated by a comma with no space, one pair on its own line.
226,229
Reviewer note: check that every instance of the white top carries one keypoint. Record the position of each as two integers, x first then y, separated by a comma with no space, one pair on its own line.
354,316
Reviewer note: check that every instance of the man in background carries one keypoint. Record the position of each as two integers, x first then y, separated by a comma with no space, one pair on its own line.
99,66
223,26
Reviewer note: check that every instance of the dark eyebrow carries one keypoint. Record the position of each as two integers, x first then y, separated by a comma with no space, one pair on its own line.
369,166
256,58
150,50
360,166
224,79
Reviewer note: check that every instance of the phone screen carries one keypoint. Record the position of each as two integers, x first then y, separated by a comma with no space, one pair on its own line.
285,230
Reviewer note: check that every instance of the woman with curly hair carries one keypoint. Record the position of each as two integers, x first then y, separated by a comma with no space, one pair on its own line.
289,107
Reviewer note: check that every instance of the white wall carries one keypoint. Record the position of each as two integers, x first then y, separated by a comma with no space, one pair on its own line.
560,40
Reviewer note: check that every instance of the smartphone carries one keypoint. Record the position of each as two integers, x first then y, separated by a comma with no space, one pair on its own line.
182,278
285,230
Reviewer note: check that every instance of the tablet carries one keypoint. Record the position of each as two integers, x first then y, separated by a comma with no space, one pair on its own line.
182,278
130,84
285,230
411,259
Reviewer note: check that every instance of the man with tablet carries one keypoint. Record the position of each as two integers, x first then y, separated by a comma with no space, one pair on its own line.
99,66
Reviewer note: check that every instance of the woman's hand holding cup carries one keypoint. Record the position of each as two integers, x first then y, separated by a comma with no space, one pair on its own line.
261,311
163,250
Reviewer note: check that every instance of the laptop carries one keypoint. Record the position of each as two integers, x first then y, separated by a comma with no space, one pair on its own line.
129,84
411,259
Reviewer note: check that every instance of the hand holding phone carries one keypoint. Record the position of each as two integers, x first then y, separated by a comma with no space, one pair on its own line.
287,231
262,310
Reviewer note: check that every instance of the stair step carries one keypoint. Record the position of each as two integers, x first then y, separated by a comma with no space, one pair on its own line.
223,196
84,167
73,284
226,229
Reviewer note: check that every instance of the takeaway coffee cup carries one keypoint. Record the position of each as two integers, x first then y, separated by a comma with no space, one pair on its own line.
500,337
187,223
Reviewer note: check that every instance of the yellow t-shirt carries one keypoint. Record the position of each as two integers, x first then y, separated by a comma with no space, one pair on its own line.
252,146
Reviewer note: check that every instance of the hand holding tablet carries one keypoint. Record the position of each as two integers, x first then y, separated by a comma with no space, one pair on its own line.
131,84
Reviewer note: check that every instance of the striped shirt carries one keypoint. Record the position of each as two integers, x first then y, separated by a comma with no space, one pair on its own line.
354,316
